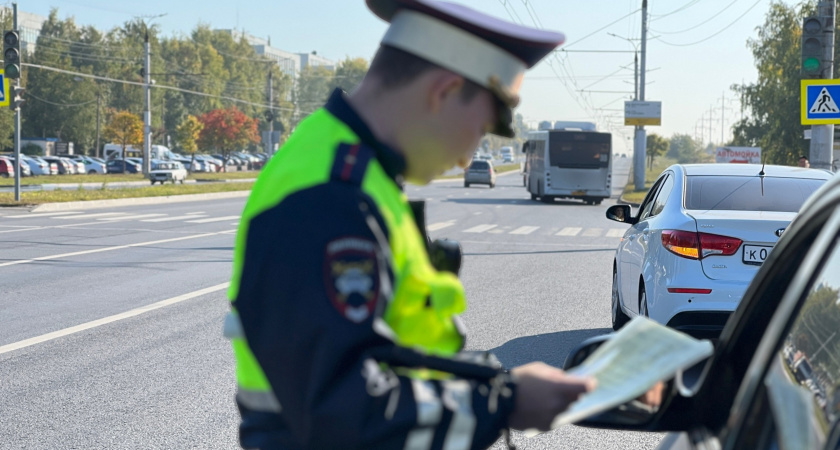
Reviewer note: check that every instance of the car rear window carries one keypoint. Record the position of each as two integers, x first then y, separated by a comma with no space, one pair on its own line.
481,165
748,193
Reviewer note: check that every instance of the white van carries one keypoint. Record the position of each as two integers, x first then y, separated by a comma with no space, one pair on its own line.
507,154
114,151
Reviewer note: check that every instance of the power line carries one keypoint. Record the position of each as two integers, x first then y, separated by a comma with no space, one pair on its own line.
699,24
681,8
63,105
715,34
602,28
157,86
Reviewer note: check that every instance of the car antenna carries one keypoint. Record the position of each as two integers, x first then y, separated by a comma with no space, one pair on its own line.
761,174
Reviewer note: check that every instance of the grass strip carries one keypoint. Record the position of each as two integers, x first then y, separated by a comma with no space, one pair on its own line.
39,197
633,195
119,177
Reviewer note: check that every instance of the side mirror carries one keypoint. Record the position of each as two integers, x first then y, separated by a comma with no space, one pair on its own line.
621,213
584,349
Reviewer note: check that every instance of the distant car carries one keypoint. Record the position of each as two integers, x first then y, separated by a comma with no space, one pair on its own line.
6,168
162,171
480,172
698,239
507,154
91,166
40,167
116,166
25,170
63,166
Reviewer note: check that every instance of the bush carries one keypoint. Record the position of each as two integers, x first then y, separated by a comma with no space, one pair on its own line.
32,150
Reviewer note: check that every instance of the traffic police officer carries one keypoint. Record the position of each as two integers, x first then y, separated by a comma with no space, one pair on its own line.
344,332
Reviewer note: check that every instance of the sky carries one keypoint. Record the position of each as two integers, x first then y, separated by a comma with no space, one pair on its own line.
696,49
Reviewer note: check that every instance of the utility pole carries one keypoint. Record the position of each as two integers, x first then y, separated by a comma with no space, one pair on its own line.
147,115
710,124
98,107
270,115
822,136
722,104
18,162
640,144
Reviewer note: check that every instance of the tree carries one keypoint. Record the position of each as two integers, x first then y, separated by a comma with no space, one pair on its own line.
226,130
771,104
125,129
187,134
313,89
656,147
686,150
349,73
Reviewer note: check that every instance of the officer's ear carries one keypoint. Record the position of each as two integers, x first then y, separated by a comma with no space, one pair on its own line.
444,86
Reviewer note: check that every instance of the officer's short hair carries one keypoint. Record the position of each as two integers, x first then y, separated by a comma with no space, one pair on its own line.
395,68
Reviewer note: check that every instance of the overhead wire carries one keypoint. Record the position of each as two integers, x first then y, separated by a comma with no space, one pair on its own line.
682,8
61,105
699,24
713,34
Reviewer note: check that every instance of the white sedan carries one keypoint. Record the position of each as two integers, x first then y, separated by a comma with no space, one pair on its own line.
699,238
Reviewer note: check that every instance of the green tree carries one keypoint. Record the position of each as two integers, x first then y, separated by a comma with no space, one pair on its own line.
349,73
313,89
771,104
187,134
125,129
656,147
686,150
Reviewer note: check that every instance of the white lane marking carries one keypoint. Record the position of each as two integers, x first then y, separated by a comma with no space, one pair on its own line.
440,225
36,215
478,213
569,231
197,212
214,219
524,230
106,249
235,224
480,229
139,216
170,219
592,232
615,232
106,320
72,225
90,216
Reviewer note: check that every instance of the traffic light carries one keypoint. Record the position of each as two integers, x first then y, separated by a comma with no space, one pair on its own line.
11,54
17,97
816,32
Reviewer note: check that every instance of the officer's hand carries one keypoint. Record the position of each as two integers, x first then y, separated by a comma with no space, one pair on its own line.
542,393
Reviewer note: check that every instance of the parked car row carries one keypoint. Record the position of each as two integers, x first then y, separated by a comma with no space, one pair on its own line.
52,165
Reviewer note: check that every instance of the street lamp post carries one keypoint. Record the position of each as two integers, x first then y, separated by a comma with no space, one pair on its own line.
98,107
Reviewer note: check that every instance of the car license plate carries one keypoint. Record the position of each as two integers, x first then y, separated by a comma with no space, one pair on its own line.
756,254
578,192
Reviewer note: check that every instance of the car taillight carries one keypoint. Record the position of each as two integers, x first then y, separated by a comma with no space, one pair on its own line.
681,243
713,244
689,244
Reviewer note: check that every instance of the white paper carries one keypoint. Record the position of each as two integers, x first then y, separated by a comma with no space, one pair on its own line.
630,363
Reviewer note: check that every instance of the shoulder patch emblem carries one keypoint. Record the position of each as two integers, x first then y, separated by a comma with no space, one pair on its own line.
351,275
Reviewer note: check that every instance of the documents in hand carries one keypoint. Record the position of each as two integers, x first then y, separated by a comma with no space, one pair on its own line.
630,363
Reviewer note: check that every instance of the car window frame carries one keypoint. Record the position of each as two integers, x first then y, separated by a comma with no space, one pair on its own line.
753,385
670,178
644,207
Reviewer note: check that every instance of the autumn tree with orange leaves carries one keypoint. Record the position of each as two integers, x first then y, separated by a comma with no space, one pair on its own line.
227,130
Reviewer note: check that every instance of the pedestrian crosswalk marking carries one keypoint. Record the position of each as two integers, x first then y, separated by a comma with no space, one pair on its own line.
524,230
439,226
615,232
569,231
137,217
592,232
89,216
213,219
480,229
170,219
824,103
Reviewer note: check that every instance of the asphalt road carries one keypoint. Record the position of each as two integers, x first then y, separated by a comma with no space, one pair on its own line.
110,319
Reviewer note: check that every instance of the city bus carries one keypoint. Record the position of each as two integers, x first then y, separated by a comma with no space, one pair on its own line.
570,160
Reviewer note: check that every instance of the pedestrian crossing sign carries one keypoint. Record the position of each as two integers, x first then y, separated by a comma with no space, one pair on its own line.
4,89
819,101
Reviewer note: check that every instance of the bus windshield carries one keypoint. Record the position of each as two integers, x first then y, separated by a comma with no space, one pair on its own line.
583,150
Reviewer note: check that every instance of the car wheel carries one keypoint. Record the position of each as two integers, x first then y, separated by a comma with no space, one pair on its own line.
466,184
643,305
492,185
153,182
91,172
182,181
619,319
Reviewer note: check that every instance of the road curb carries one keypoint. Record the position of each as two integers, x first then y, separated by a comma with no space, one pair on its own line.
92,204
